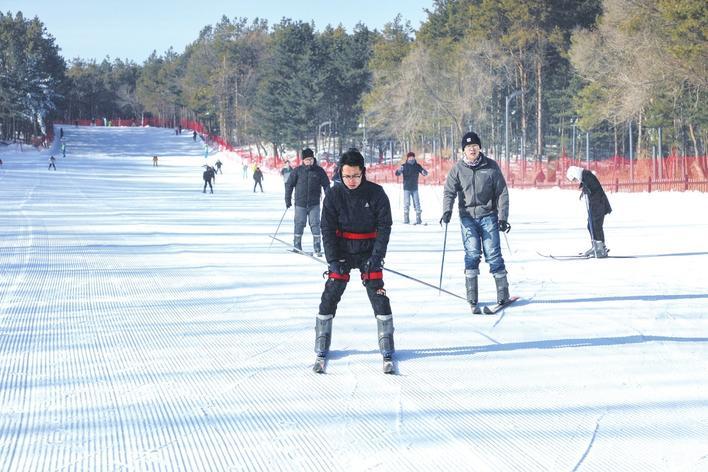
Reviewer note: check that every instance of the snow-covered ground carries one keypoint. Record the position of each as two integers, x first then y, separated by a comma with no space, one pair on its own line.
145,325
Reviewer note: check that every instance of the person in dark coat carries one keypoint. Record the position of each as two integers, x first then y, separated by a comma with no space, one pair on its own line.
208,176
483,206
410,171
308,181
356,226
52,160
597,205
258,178
194,136
218,165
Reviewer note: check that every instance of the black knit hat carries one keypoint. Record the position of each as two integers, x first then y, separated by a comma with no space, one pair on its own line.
307,152
470,138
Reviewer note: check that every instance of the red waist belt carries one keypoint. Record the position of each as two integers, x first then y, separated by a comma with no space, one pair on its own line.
348,235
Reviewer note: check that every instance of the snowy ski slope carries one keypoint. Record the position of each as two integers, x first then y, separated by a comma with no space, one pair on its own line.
145,325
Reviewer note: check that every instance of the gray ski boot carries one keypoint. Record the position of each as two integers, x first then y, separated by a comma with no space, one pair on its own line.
502,287
323,338
406,219
297,242
471,284
384,324
600,250
418,220
317,245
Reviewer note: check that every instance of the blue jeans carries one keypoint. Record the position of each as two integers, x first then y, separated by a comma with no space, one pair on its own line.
482,235
407,196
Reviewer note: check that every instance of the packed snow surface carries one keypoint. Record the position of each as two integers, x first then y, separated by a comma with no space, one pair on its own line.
145,325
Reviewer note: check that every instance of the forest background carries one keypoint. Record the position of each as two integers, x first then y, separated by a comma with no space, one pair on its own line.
630,73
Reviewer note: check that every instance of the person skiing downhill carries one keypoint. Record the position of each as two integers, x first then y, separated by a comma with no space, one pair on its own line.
356,225
52,160
308,181
598,206
208,176
257,179
483,205
410,171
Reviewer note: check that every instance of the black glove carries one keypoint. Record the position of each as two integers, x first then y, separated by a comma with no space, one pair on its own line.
504,226
288,204
338,267
446,217
374,264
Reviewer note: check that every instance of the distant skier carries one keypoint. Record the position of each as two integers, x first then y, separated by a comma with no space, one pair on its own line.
63,149
597,207
286,171
61,133
218,165
258,178
208,176
410,171
206,151
245,170
356,225
308,181
51,163
194,136
483,204
154,161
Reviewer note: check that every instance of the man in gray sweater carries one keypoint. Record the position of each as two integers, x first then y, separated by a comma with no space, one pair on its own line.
483,204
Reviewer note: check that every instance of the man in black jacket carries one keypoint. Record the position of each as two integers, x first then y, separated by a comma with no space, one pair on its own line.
356,225
308,181
410,171
597,206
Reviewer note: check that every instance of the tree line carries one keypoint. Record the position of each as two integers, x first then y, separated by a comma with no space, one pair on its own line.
554,69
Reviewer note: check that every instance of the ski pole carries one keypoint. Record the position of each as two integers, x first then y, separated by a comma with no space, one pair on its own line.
278,228
507,242
442,264
592,230
322,261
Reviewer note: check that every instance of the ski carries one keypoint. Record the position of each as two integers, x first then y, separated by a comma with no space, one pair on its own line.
319,366
499,306
569,257
388,367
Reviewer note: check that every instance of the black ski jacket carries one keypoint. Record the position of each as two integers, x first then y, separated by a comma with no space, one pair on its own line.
366,209
307,182
410,174
597,198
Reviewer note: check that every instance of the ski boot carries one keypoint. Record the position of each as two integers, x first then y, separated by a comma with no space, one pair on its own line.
384,324
418,220
317,245
502,287
323,338
600,250
406,219
471,285
297,243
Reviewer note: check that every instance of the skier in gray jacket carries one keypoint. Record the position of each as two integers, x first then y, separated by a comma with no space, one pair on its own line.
483,204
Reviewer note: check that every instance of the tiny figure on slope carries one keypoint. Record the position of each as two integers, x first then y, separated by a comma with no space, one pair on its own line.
597,205
410,171
208,176
258,179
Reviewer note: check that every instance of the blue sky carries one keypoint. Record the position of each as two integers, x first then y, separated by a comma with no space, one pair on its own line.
131,29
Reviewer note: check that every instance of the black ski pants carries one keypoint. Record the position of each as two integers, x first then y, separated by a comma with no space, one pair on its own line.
595,228
336,284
